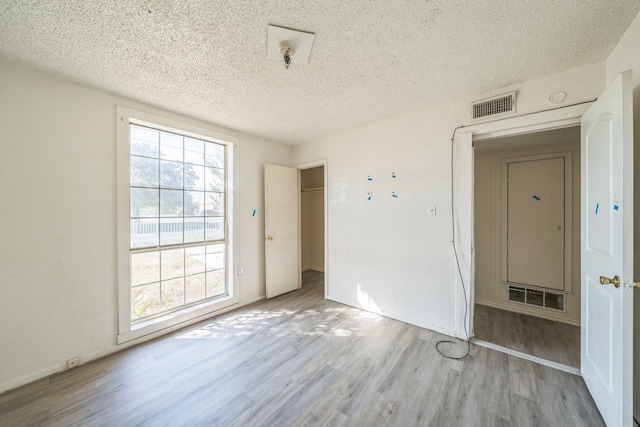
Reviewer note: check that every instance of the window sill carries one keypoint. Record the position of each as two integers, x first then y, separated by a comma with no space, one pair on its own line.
176,320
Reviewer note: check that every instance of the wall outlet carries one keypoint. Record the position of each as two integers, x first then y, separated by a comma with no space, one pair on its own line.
240,270
73,363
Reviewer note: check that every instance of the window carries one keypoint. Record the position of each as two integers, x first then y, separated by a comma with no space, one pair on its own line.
177,223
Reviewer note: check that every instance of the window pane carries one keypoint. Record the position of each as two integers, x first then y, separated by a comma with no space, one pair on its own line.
144,171
172,264
193,230
172,293
214,155
195,288
214,179
145,268
171,174
215,257
144,141
193,177
193,151
194,260
145,300
215,283
214,204
144,233
214,228
194,203
144,202
171,231
170,202
171,146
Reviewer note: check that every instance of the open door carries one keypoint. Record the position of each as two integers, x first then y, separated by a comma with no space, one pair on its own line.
607,252
282,253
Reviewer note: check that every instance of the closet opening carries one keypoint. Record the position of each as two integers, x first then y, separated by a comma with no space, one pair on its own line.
312,226
527,244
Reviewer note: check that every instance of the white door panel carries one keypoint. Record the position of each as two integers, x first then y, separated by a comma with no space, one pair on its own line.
600,170
535,223
282,254
607,251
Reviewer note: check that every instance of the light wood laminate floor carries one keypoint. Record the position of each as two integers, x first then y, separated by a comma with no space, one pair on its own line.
543,338
299,360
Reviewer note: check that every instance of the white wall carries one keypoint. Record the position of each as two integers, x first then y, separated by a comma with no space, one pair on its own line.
387,255
58,220
626,56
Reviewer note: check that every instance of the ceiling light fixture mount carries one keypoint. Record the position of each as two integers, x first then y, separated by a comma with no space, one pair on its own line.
287,52
283,43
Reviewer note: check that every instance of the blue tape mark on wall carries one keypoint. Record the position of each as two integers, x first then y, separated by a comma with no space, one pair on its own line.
597,206
536,197
394,195
615,207
369,196
393,174
254,213
369,178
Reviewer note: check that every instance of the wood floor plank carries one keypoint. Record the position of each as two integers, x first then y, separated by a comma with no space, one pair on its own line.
300,360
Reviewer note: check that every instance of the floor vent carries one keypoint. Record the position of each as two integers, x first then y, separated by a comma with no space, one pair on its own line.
536,297
496,106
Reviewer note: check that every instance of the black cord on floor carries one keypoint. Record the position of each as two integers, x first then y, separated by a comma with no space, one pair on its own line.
455,252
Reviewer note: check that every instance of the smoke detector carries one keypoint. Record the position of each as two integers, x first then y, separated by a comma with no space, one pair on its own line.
289,46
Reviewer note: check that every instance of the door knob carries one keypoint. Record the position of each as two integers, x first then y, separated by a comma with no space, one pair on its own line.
606,281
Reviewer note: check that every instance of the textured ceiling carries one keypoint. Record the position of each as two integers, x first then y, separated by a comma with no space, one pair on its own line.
371,59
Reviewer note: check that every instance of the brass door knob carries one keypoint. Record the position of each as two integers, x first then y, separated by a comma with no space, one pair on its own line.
606,281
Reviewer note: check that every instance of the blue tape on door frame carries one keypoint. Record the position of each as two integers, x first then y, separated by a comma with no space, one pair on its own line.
597,206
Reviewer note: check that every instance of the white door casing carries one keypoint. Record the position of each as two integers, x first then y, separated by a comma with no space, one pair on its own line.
282,238
607,250
462,211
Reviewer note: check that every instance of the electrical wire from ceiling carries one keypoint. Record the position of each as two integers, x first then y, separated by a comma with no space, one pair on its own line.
455,252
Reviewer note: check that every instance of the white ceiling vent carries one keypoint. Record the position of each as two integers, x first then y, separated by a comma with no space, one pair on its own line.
500,105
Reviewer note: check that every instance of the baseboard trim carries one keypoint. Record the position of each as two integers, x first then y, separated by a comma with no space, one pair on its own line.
529,357
523,310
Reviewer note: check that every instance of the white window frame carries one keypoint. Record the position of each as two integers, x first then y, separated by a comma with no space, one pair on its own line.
174,320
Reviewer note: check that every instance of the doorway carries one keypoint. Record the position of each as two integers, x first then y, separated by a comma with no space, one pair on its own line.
312,225
527,244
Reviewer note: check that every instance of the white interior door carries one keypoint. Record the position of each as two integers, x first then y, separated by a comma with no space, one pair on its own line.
282,252
607,251
535,222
